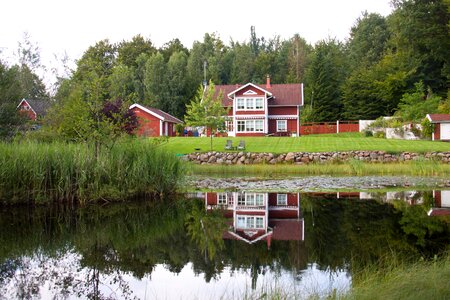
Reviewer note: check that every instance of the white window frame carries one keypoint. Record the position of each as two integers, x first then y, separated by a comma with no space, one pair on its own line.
240,124
251,199
240,104
222,199
282,199
250,125
250,222
259,101
259,125
279,122
249,103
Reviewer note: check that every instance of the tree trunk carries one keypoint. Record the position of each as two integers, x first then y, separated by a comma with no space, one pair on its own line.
210,134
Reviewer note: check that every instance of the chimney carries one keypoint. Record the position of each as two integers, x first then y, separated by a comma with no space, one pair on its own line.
268,82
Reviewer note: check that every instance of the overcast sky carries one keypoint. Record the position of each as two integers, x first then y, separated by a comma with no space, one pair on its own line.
59,26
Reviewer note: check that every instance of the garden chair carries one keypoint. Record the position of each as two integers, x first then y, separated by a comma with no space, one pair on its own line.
229,145
241,145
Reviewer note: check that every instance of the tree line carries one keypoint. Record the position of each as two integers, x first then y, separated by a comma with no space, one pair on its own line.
389,65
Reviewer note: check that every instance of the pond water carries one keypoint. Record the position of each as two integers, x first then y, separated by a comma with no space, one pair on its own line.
215,245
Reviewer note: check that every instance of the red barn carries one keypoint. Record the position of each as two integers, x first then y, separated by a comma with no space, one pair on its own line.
259,110
154,122
34,109
441,126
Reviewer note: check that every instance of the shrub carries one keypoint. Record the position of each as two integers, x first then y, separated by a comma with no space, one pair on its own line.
427,128
380,134
368,133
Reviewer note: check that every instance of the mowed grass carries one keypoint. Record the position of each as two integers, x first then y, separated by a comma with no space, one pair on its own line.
309,143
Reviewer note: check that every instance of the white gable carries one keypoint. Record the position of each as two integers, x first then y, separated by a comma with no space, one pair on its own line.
250,92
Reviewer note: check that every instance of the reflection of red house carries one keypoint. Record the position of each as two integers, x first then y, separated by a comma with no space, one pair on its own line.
258,110
441,204
260,216
34,109
441,124
154,122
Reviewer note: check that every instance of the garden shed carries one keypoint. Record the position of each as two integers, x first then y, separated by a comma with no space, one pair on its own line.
441,122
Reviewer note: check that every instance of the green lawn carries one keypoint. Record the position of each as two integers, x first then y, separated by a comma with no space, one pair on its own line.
309,143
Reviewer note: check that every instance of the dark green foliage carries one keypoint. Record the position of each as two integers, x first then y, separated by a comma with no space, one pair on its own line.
420,28
325,76
414,106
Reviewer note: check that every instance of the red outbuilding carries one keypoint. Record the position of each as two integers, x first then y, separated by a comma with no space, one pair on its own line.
154,122
260,110
34,109
441,123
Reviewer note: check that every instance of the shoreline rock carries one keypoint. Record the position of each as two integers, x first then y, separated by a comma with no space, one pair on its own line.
301,158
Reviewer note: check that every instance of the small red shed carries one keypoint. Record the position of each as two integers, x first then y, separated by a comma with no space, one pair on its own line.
441,123
154,122
34,108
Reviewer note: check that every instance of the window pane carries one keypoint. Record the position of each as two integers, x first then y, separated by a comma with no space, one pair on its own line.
240,125
240,103
259,199
250,103
259,222
241,222
281,125
281,199
241,199
250,125
259,103
250,222
259,125
222,198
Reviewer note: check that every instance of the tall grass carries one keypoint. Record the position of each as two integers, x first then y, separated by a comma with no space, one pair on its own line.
37,172
350,168
400,280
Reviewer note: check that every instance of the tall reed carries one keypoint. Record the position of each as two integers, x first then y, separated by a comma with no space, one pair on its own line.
37,172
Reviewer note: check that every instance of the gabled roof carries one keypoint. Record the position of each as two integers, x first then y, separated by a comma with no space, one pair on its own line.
39,106
163,116
231,94
282,94
439,118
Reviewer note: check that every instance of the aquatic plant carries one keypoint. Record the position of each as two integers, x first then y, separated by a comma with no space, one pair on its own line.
38,172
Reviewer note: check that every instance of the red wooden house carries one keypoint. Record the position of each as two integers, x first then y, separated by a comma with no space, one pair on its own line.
34,109
259,110
259,216
441,126
154,122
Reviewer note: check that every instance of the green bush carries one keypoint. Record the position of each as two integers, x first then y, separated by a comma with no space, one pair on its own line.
427,128
368,133
379,134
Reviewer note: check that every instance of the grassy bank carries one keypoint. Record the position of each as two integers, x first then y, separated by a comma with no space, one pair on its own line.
352,167
62,171
420,280
309,143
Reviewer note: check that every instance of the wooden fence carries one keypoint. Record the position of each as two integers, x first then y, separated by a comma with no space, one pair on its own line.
329,127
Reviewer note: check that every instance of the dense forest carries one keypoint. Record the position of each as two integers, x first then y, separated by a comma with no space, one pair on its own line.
397,64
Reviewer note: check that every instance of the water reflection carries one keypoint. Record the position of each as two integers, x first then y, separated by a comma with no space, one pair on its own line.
257,217
213,245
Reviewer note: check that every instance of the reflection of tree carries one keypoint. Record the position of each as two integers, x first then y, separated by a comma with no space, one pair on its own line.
430,234
206,229
351,231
